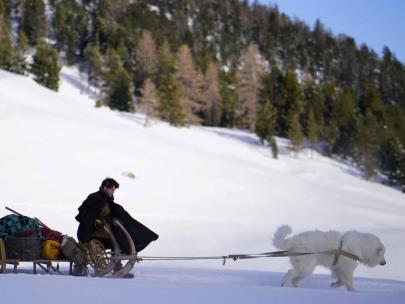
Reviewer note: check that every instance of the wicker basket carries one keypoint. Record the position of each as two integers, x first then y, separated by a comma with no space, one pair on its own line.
23,248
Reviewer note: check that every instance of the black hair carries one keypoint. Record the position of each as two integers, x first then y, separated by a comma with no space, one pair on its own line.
109,183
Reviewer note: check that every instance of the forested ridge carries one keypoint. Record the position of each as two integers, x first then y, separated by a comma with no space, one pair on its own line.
221,63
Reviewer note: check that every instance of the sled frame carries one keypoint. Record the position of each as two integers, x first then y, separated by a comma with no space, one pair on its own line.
103,262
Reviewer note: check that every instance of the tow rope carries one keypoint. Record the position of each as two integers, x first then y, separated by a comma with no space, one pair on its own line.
224,258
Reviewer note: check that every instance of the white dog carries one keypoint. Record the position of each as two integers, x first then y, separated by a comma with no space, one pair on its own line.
367,247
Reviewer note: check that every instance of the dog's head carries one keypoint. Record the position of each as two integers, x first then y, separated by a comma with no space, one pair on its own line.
376,251
367,246
380,254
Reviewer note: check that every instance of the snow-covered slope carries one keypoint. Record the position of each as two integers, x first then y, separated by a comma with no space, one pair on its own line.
185,286
205,191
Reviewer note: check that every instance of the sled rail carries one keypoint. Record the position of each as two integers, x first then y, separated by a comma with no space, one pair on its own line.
47,265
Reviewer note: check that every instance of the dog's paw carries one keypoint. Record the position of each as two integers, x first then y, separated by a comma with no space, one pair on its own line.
336,284
350,288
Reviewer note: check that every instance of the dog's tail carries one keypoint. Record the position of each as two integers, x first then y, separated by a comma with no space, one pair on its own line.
280,235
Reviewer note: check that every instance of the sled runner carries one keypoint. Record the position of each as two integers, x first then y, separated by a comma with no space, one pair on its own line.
105,262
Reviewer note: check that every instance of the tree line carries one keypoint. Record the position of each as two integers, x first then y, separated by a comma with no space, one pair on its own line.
221,63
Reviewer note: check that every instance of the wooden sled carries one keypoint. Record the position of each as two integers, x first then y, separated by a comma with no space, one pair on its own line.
101,260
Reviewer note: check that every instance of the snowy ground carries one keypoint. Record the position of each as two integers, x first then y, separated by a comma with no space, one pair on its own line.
205,191
174,285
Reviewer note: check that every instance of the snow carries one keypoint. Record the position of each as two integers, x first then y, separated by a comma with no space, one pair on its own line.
154,8
173,285
205,191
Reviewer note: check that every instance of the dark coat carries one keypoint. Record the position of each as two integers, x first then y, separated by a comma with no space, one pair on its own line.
89,211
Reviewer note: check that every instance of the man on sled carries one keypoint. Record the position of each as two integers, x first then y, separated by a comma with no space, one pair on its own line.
99,210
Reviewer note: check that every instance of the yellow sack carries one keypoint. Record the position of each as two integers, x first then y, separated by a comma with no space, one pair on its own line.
51,249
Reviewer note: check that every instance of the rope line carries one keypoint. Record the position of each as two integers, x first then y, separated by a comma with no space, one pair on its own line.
235,257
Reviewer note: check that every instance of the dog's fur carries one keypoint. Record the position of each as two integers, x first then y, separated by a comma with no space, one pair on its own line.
366,246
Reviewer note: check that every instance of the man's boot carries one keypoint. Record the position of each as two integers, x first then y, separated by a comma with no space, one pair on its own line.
79,270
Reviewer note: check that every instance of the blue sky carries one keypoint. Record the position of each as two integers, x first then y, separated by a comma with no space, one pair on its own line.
374,22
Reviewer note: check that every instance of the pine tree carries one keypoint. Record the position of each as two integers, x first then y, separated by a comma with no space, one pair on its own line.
330,131
295,134
6,44
230,100
120,91
46,66
212,96
189,81
260,21
95,66
205,26
312,129
112,63
386,83
313,101
12,57
71,42
273,89
319,46
368,73
116,7
265,125
3,10
232,36
367,143
274,147
170,106
251,70
58,25
149,100
146,58
33,21
401,171
19,65
346,123
21,49
70,29
391,155
370,100
22,42
266,121
6,50
395,122
292,95
165,62
347,63
286,95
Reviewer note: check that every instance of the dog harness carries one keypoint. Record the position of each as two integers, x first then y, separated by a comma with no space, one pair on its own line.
339,252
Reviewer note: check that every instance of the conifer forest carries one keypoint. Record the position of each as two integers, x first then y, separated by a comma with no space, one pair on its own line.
222,63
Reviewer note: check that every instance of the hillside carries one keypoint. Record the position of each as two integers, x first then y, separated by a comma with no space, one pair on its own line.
207,191
228,63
